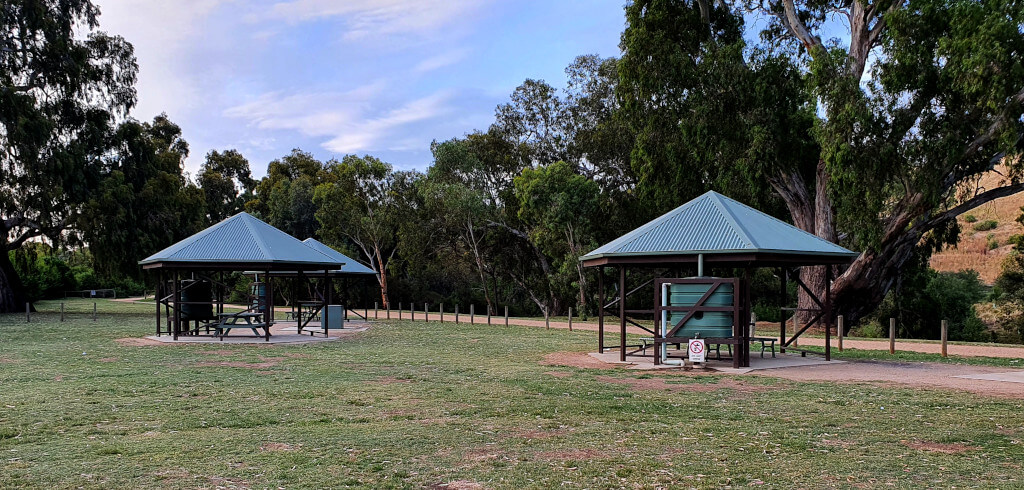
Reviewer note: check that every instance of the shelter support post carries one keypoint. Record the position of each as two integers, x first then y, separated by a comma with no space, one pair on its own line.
600,310
157,296
269,313
622,313
828,312
175,325
783,301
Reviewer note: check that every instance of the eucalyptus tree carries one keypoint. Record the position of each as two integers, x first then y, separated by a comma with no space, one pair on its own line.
144,202
227,183
873,138
365,201
284,197
62,85
561,209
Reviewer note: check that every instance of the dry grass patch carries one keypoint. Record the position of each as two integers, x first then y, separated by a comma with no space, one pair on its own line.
643,384
137,342
939,447
574,359
278,446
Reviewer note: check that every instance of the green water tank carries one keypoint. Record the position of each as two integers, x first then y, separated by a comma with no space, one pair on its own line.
193,291
704,324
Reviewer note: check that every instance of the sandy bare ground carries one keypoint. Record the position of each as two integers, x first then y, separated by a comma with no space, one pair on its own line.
919,374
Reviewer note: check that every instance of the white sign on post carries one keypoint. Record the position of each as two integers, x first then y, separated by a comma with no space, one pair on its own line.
696,350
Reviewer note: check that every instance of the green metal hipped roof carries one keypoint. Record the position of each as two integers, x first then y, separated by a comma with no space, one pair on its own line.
241,239
350,267
713,224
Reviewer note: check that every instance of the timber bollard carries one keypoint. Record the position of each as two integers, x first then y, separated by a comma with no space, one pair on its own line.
945,336
839,331
570,319
412,311
441,309
456,313
376,315
62,312
488,314
399,310
28,313
472,314
388,311
506,315
93,311
892,335
426,313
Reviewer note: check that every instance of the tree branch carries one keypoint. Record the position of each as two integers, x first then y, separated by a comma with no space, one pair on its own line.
791,19
967,205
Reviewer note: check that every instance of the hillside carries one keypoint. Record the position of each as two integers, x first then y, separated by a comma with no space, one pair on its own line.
972,252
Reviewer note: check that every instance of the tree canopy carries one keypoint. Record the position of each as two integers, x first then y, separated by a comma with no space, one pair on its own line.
62,84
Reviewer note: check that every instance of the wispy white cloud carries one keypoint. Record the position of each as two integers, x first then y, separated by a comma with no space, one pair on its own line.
350,121
366,18
440,61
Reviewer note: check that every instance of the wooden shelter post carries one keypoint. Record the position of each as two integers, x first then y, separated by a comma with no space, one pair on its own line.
176,324
622,313
600,310
828,312
157,296
268,313
784,299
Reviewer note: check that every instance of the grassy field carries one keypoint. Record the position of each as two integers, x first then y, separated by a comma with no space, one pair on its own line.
425,404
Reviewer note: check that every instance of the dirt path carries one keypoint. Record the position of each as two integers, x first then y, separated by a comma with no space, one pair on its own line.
914,374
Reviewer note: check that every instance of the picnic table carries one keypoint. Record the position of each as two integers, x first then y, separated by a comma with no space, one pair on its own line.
250,320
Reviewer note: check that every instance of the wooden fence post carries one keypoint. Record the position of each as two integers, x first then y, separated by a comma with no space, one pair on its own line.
839,327
426,313
28,312
376,313
399,310
570,319
488,314
472,314
412,311
892,335
62,311
456,313
441,309
945,336
506,315
93,311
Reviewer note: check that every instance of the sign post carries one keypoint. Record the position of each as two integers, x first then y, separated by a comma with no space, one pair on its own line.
696,349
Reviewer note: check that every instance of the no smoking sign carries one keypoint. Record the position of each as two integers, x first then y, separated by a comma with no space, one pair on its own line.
696,350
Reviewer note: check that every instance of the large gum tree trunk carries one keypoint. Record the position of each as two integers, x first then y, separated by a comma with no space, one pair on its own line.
12,291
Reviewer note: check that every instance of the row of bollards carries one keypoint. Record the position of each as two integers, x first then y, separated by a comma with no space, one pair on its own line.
943,335
28,312
458,315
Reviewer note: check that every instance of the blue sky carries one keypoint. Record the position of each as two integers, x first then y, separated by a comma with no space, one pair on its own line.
333,77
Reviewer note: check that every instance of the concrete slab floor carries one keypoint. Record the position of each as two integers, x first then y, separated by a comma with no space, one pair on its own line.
723,366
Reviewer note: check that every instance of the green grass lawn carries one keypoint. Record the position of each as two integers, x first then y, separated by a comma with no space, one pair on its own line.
422,404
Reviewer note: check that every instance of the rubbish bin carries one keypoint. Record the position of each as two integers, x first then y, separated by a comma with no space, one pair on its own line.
334,317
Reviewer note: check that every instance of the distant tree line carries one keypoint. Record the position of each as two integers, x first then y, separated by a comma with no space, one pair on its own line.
873,140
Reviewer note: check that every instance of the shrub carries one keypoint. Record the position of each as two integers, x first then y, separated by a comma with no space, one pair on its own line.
986,225
970,218
927,297
1017,241
992,243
